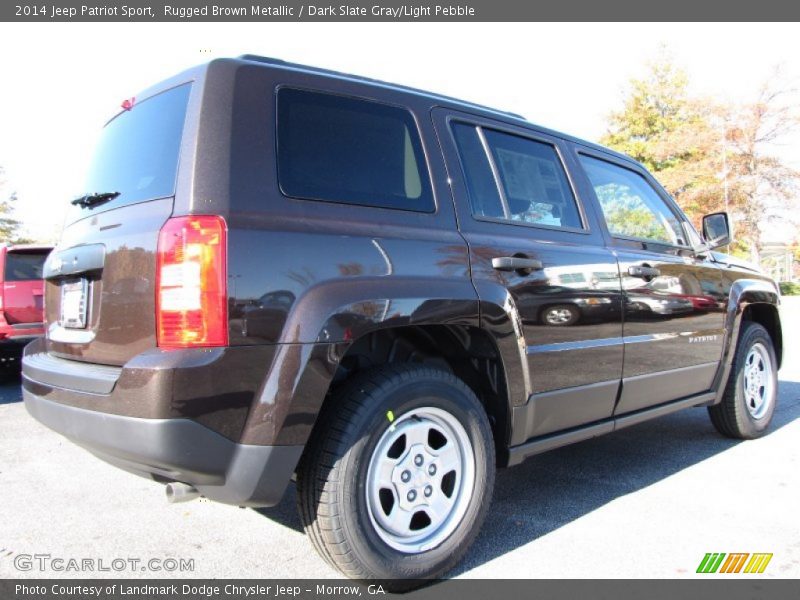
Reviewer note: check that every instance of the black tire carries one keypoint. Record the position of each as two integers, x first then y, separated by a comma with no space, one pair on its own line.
332,476
732,417
548,317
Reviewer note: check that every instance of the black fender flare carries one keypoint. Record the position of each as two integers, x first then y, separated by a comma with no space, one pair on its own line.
743,293
323,324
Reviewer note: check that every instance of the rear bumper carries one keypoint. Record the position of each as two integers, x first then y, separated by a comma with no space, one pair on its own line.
57,393
175,450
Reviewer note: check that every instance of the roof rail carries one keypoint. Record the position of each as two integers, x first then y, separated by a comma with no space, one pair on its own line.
282,63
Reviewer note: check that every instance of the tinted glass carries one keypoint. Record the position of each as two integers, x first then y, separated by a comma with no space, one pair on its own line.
483,195
24,266
631,207
351,151
534,182
137,154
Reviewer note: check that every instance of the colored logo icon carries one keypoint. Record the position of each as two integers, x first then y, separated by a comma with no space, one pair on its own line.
737,562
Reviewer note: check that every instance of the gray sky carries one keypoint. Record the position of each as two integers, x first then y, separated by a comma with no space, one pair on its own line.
62,81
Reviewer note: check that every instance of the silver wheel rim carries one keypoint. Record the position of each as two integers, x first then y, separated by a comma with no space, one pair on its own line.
758,381
558,316
420,480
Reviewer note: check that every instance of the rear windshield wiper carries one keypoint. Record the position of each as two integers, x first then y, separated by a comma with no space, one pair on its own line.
94,199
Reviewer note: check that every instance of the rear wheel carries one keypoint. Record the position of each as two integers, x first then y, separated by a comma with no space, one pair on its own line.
398,478
751,394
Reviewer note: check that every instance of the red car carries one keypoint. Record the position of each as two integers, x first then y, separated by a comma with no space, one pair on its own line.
21,299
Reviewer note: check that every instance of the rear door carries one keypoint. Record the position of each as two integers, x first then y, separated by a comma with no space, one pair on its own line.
22,285
674,297
538,255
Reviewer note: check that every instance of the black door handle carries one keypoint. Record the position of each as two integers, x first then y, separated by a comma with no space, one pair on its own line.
516,263
643,271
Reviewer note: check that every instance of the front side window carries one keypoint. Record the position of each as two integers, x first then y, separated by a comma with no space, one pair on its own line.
350,151
631,207
519,180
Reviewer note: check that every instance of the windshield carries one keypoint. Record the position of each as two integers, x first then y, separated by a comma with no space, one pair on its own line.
137,154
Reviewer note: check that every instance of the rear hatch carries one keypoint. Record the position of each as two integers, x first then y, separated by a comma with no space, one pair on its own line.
100,279
22,291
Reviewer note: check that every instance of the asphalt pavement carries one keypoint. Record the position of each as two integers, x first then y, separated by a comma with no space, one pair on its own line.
645,502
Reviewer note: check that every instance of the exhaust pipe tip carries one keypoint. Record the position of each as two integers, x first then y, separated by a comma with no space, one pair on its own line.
180,492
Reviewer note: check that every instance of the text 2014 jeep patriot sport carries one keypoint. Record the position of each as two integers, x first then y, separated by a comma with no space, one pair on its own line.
278,270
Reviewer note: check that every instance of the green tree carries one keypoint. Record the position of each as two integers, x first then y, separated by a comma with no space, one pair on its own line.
672,133
657,105
8,225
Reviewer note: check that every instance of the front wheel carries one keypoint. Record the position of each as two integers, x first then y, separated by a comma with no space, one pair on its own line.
752,390
398,478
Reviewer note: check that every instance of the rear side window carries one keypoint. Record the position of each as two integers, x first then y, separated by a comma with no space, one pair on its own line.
25,266
518,180
138,151
352,151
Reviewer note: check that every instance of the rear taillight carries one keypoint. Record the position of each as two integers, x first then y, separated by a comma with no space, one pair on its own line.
191,290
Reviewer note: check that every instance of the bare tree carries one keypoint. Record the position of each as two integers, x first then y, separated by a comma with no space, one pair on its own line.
761,187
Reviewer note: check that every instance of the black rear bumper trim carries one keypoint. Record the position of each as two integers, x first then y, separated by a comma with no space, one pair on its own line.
177,450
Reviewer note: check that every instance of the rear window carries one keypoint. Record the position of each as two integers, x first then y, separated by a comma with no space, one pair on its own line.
137,154
25,266
352,151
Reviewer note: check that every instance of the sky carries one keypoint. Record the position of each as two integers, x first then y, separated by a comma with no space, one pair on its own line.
60,82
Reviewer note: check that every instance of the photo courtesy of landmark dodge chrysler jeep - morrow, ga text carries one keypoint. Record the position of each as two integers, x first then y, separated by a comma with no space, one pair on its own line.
278,271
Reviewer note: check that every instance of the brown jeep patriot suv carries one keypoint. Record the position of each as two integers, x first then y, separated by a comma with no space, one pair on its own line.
278,271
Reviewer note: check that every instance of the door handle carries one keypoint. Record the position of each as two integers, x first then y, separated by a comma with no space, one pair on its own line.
516,263
643,271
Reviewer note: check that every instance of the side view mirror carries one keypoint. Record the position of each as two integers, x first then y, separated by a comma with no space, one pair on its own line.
716,230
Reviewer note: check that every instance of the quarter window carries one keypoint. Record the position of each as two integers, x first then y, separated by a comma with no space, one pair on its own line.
631,207
351,151
515,179
484,197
